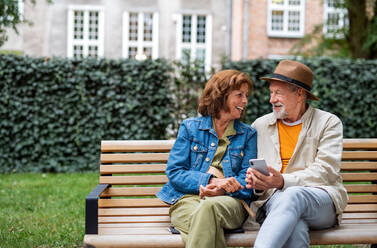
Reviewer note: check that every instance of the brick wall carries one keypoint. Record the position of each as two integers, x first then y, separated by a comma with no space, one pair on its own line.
260,45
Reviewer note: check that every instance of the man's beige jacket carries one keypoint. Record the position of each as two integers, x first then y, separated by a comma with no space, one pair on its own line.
315,161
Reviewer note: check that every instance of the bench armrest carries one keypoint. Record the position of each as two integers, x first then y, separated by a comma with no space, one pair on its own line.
91,209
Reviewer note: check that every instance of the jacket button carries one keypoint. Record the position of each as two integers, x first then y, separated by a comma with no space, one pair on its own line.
172,200
195,148
207,159
213,144
241,154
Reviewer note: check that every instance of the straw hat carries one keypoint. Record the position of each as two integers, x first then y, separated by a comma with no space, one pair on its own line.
296,73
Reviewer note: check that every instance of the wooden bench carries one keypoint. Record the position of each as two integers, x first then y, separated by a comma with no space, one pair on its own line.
122,210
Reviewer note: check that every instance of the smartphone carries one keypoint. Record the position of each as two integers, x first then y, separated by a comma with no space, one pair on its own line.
260,165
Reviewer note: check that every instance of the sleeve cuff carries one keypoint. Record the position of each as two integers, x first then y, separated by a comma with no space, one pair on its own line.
204,179
258,192
289,180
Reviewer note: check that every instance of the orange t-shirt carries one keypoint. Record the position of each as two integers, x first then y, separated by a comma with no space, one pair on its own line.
288,137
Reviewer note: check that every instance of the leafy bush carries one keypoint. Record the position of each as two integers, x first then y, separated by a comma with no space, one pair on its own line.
188,82
346,88
54,113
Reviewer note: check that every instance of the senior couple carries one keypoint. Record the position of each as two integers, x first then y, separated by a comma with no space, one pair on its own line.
211,187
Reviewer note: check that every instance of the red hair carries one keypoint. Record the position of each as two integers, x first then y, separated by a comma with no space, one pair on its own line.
217,90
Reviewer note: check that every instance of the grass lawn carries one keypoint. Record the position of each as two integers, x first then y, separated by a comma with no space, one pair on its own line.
43,210
47,210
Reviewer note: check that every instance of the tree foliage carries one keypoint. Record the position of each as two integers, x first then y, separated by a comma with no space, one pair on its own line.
11,16
356,39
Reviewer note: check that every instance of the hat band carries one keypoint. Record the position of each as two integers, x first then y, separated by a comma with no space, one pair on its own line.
291,80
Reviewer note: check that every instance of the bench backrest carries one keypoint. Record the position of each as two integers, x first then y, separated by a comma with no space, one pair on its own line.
136,171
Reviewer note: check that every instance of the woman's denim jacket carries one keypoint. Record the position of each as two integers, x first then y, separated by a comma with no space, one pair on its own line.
192,154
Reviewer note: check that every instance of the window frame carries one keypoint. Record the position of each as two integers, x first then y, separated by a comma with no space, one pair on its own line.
342,14
285,7
140,43
85,42
21,7
193,45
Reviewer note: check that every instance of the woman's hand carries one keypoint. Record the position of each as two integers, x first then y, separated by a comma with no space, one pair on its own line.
210,190
257,180
229,184
218,186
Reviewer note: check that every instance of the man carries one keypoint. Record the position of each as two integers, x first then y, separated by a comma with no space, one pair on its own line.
302,147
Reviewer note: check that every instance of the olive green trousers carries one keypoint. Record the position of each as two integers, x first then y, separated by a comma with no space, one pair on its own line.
202,221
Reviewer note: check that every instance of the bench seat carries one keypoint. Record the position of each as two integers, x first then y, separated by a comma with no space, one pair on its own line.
122,210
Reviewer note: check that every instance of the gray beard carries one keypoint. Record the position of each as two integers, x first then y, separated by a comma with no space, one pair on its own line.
280,115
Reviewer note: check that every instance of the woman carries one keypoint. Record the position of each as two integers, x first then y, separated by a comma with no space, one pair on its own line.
208,163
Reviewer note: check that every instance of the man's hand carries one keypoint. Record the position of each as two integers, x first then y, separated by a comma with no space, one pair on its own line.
258,181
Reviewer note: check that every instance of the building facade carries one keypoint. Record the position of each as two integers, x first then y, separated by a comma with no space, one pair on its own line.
140,29
270,28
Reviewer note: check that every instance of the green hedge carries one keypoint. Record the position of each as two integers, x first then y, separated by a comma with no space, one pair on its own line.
347,88
55,113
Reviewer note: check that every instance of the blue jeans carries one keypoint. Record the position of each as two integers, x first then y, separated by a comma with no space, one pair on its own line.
290,214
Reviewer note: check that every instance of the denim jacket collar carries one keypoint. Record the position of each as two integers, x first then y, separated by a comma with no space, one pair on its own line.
206,124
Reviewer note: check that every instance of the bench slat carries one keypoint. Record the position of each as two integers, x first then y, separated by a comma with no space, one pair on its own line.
359,216
136,145
130,191
358,208
146,202
151,191
134,241
134,180
160,168
361,188
360,143
344,234
359,155
134,231
137,219
351,166
134,157
132,168
133,211
166,145
362,198
360,221
356,177
132,225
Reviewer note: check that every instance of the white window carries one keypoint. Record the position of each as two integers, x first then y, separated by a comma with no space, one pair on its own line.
21,9
140,35
194,37
286,18
334,17
85,31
